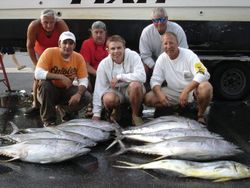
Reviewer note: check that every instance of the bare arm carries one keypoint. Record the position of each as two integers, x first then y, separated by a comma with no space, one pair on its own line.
161,96
90,69
75,99
62,26
31,39
183,99
65,80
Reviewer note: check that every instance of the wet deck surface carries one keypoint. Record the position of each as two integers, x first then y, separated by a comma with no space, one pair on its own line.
229,119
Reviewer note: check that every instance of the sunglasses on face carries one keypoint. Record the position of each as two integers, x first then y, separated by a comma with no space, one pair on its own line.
159,20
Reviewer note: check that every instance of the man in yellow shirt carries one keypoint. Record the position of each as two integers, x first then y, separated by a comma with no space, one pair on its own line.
56,69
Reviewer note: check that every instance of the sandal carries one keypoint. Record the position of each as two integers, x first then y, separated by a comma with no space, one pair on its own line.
202,120
137,121
21,67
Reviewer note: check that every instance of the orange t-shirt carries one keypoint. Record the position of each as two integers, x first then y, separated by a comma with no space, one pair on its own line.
52,61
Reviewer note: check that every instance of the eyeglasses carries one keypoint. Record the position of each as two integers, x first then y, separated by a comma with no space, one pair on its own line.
159,20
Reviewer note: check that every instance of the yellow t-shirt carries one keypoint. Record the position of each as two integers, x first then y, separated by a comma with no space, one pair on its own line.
52,61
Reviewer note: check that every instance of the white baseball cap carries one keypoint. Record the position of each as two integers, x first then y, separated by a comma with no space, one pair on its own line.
67,35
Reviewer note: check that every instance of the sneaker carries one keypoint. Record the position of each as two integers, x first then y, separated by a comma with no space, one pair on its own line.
32,111
21,67
137,121
202,119
49,124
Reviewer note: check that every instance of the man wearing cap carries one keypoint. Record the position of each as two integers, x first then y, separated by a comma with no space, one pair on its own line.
94,49
150,44
56,69
42,33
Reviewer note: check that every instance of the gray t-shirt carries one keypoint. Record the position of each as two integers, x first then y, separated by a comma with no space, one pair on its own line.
150,45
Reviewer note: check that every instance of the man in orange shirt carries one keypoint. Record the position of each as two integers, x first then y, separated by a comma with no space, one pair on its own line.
56,70
42,34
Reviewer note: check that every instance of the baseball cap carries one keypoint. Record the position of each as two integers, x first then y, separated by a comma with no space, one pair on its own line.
67,35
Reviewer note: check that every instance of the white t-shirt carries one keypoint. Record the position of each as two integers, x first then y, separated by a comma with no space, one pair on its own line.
179,72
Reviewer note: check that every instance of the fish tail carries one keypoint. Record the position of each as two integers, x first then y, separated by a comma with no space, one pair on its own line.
14,127
222,179
117,140
159,158
122,150
116,126
12,159
118,129
118,134
112,144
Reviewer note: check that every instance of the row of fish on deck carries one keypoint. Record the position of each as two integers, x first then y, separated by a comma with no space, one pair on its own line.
187,144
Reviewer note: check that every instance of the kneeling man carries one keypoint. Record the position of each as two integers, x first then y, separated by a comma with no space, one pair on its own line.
56,70
119,79
186,77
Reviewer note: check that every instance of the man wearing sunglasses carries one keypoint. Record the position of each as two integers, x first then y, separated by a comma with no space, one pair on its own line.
150,45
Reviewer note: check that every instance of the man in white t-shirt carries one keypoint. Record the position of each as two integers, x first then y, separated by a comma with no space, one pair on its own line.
186,77
150,45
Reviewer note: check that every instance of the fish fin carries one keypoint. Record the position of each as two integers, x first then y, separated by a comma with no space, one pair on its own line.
122,150
117,139
129,165
54,131
116,125
222,179
112,144
45,162
12,159
118,133
118,129
161,157
14,127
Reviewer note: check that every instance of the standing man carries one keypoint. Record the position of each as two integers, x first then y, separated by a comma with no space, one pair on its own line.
150,44
119,79
56,69
42,34
186,77
11,51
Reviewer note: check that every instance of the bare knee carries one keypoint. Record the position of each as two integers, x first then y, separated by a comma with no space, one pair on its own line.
148,99
205,91
110,100
135,86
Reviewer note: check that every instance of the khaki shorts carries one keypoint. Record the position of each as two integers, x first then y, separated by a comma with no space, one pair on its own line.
173,97
122,93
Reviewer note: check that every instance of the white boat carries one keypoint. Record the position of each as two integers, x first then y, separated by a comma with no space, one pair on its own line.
214,28
213,10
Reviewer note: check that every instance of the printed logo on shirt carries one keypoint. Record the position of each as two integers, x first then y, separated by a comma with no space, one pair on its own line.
199,68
